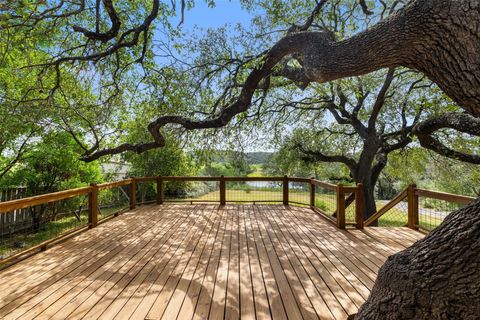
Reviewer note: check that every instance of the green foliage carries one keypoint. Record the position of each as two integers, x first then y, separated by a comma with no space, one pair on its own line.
320,204
168,161
51,165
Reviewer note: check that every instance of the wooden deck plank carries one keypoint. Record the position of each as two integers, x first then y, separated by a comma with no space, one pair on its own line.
200,259
39,263
111,248
45,266
203,261
82,295
217,306
336,251
317,305
176,257
260,298
204,300
292,276
247,305
232,307
335,286
190,258
104,291
274,299
207,261
289,300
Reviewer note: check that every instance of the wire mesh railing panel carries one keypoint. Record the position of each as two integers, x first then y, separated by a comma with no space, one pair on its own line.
326,201
113,200
299,193
432,212
146,192
43,222
397,216
192,191
253,191
350,208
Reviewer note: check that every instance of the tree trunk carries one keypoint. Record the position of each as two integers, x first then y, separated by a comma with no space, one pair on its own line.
369,200
436,278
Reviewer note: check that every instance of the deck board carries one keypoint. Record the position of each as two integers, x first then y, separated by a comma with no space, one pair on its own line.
203,261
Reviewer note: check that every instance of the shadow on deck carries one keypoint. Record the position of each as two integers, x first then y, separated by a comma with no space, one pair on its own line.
203,261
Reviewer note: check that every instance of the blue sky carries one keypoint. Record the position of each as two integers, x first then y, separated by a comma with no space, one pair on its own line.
223,12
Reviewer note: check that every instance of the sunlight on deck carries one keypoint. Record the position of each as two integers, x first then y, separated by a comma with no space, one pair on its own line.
203,261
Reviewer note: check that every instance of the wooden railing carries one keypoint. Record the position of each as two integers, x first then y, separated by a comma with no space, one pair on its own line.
340,205
331,203
344,196
426,209
91,191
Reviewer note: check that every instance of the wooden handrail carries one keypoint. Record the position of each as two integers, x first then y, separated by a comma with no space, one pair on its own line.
303,180
173,178
146,179
41,199
399,197
109,185
324,185
444,196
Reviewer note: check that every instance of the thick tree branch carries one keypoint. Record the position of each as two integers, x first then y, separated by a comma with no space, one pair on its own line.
458,121
403,39
379,102
103,36
315,156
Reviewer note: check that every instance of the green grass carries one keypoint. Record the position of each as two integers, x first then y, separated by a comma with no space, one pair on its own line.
257,171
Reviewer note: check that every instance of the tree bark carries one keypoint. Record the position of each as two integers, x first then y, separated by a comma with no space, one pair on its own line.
369,204
436,278
440,38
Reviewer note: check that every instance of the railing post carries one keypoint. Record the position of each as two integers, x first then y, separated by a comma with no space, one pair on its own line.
359,206
285,190
340,207
133,193
412,207
160,190
222,191
93,206
312,193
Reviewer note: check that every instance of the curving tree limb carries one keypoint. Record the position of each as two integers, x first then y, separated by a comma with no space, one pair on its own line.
460,122
423,35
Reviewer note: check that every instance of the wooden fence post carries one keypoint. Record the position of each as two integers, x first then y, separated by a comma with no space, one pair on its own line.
222,191
93,206
312,193
359,206
159,190
412,207
133,193
340,207
285,191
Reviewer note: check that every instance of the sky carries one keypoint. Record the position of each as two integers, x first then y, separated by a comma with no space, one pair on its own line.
223,12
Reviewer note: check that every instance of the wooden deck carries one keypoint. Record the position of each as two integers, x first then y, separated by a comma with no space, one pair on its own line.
203,261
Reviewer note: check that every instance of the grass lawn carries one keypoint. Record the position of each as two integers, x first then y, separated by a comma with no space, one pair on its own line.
257,170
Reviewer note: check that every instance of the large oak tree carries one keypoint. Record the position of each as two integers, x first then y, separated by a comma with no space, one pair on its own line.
437,278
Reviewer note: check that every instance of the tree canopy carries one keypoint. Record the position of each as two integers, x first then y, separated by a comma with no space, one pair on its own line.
94,65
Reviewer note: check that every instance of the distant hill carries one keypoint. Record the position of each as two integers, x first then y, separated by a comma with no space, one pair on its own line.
258,157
